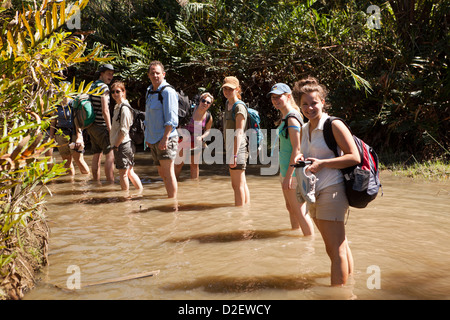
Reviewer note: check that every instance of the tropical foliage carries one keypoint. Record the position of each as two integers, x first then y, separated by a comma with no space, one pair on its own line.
389,80
35,51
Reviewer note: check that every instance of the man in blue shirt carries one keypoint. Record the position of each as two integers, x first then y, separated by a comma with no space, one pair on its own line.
161,121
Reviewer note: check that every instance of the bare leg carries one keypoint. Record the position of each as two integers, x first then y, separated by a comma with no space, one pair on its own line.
109,166
333,234
134,179
166,170
297,213
79,160
240,188
96,162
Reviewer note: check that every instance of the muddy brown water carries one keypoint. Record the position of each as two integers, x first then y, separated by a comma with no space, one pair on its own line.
209,249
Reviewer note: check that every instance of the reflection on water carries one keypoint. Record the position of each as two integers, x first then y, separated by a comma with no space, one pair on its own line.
205,248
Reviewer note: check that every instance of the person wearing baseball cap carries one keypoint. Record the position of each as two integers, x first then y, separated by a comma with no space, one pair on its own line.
289,141
279,88
105,67
235,118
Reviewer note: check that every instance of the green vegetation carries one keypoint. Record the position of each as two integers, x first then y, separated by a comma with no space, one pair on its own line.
391,83
35,50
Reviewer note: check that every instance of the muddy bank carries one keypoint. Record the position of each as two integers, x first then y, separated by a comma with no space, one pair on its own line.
30,252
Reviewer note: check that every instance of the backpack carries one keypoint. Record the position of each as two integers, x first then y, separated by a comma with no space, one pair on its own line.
137,128
185,106
83,111
362,181
253,122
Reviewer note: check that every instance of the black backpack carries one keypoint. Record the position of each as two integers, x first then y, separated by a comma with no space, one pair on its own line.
137,129
362,181
185,105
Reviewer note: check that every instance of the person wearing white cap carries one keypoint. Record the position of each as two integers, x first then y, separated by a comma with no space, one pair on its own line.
289,139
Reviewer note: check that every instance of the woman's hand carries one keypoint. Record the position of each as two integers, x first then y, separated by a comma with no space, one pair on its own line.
316,165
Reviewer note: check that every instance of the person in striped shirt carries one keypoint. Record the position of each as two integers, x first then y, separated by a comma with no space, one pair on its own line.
99,130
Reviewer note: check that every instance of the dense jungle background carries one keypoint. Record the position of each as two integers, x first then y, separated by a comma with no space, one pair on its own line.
386,66
384,62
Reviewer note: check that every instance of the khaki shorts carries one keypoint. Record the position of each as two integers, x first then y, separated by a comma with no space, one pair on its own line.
241,161
99,137
63,145
169,154
331,203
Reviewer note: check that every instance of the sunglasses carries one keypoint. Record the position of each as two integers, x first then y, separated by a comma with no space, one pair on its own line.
116,91
205,101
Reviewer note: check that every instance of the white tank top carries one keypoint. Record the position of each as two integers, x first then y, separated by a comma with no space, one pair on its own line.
316,147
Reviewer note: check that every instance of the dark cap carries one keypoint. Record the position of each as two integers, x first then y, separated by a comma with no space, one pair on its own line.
105,67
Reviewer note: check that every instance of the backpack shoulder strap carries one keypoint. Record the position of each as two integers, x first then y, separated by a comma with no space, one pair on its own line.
120,111
328,134
159,92
234,107
285,120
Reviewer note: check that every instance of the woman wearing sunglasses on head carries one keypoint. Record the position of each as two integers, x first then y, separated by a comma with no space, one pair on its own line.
198,127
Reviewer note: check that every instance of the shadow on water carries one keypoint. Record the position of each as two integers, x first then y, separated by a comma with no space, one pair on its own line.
239,235
221,284
106,200
180,207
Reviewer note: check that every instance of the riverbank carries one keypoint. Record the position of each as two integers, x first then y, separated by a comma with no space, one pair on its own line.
429,170
27,254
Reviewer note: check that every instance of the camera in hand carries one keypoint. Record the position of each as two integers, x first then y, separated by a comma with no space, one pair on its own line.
301,164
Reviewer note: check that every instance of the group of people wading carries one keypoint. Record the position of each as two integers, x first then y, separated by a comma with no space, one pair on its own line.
297,141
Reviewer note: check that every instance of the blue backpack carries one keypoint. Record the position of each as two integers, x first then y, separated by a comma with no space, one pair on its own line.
253,122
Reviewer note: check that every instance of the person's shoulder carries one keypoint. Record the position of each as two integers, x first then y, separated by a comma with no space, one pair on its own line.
240,106
167,88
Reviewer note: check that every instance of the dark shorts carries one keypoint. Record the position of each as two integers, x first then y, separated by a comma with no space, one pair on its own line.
99,137
124,156
169,154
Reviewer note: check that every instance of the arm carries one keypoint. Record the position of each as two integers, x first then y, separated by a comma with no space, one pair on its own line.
170,112
105,110
239,132
207,128
348,146
294,137
126,121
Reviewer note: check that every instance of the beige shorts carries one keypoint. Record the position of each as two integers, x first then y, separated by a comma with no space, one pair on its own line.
63,145
331,203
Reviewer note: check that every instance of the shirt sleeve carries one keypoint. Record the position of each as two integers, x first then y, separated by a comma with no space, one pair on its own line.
126,120
241,109
170,107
